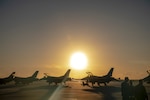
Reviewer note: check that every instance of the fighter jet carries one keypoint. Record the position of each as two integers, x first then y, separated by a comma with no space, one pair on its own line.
99,79
60,79
147,78
26,80
7,79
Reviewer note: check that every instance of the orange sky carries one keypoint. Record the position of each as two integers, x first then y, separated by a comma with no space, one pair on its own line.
43,35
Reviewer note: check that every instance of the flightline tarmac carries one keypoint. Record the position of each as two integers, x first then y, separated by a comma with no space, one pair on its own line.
73,90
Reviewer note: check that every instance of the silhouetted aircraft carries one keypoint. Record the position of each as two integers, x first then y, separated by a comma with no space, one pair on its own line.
7,79
99,79
147,78
60,79
26,80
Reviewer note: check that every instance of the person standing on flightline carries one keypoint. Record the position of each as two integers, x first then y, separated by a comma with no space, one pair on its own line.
140,91
125,89
131,91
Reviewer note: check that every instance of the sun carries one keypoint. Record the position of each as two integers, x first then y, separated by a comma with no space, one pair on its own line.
78,61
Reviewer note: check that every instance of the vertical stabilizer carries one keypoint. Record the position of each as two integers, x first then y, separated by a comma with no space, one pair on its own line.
67,73
35,74
110,72
11,75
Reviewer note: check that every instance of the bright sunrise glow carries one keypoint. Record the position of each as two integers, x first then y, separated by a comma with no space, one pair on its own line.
78,61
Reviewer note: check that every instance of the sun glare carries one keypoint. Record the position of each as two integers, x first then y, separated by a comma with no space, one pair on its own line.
78,61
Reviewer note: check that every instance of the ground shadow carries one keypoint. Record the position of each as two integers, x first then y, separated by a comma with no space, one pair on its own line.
106,91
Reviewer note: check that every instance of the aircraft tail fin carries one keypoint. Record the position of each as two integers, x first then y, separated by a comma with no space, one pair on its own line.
35,74
12,74
67,73
110,72
148,72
